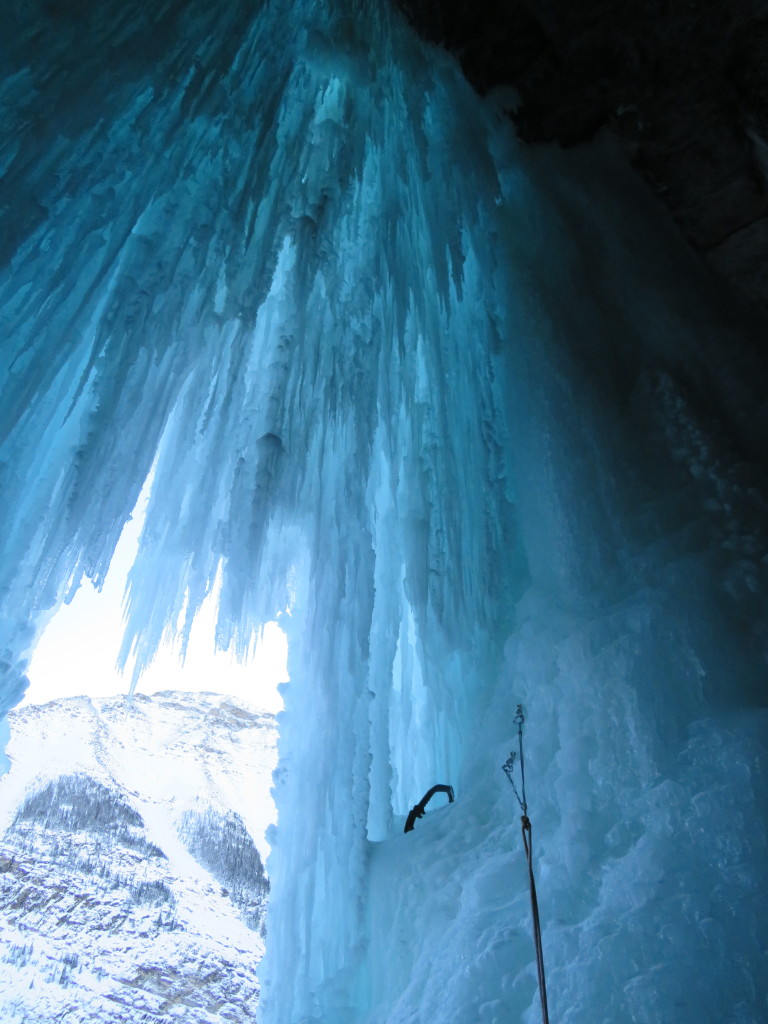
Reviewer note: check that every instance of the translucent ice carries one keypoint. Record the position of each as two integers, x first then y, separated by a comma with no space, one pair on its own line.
477,417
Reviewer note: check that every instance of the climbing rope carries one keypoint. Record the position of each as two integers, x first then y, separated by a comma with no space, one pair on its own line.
508,769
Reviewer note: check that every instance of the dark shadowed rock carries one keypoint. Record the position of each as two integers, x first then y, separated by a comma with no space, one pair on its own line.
684,88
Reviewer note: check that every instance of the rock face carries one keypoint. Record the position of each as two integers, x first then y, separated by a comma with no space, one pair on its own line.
683,87
132,885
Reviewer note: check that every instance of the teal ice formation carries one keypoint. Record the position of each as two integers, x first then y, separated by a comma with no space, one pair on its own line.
473,412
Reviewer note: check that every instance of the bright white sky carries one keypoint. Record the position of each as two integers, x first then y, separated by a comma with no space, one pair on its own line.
77,652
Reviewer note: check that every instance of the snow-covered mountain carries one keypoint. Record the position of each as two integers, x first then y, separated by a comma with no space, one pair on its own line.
132,884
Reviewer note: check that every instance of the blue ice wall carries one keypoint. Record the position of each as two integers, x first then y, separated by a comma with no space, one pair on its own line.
479,419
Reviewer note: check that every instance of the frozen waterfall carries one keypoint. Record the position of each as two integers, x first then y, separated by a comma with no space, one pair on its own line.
473,412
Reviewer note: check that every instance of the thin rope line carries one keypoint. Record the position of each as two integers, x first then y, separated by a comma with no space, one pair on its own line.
519,719
508,769
528,844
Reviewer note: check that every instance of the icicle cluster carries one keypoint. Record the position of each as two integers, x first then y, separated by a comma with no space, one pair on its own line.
449,401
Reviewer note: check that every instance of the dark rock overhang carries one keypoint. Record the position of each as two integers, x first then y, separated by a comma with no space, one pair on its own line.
682,86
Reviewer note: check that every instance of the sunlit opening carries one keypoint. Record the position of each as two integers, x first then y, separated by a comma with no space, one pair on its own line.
76,654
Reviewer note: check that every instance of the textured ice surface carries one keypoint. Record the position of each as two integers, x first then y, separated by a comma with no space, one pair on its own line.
478,418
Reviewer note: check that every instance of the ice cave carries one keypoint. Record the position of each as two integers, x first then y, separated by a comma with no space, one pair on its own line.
474,409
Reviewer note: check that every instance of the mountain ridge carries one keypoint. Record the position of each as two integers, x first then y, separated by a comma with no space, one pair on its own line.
131,860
